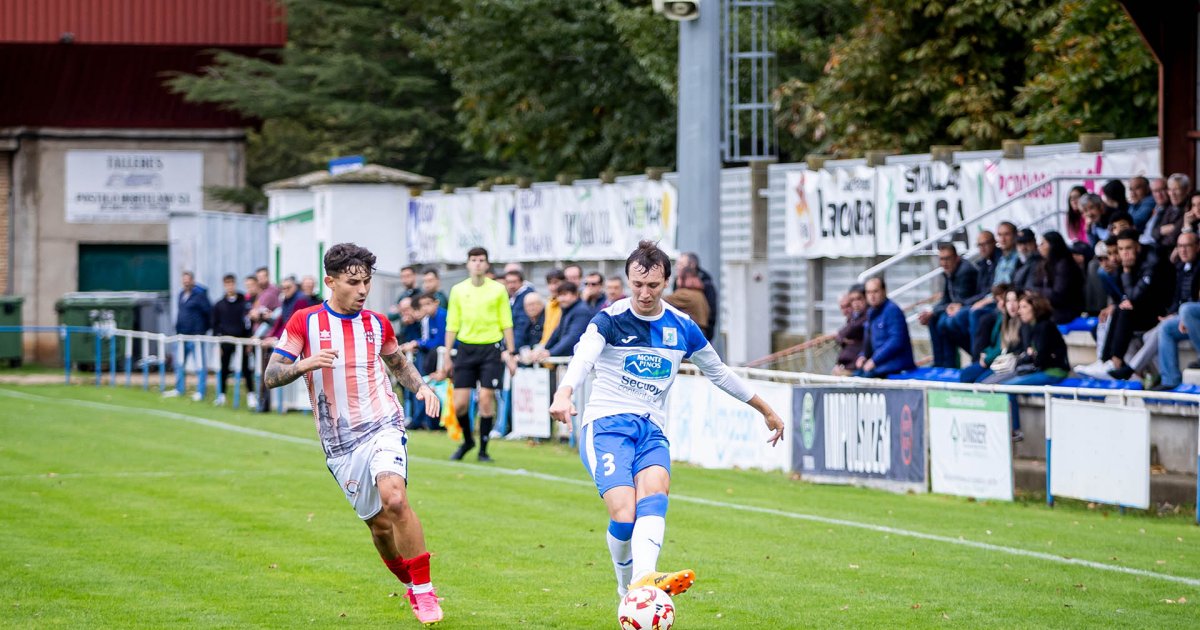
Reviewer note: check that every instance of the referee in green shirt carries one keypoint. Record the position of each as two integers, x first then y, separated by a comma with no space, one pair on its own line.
479,318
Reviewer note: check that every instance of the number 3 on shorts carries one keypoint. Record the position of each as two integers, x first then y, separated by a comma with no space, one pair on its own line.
609,466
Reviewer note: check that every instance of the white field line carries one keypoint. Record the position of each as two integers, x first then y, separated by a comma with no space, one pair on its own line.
962,542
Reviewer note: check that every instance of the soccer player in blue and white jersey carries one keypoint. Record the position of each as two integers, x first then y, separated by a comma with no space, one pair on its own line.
636,346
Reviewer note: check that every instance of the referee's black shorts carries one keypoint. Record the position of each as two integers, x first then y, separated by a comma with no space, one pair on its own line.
478,365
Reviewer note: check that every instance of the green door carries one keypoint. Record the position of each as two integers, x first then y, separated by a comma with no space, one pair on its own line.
124,267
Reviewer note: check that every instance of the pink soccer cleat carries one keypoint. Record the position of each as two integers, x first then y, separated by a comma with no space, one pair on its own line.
412,600
426,608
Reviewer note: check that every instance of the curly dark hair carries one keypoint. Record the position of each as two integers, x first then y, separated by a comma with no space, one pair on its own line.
648,256
344,256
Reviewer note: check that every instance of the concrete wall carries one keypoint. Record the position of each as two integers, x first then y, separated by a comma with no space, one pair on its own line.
45,255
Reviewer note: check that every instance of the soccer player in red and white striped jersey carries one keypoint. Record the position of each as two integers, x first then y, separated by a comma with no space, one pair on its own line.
341,350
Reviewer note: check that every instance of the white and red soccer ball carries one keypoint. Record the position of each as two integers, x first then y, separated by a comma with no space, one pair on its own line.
646,608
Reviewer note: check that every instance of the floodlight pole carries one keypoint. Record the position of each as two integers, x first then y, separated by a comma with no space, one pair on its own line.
698,146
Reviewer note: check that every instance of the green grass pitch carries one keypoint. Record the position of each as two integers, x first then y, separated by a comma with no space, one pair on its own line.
121,510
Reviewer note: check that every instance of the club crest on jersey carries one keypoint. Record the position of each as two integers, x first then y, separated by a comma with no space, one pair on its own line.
670,336
648,366
325,335
369,335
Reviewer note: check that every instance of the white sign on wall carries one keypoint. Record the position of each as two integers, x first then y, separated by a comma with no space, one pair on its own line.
831,213
1099,452
708,427
530,400
969,444
132,186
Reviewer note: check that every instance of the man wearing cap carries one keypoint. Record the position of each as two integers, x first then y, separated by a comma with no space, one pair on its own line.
1026,275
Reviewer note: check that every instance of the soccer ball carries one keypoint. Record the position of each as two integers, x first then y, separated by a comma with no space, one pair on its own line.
646,608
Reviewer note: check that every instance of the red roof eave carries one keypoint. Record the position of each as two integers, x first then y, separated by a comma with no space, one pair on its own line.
215,23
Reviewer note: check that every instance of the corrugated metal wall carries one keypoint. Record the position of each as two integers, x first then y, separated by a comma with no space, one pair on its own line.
164,22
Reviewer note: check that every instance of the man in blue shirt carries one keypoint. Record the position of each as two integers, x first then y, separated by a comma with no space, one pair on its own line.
575,317
194,318
887,348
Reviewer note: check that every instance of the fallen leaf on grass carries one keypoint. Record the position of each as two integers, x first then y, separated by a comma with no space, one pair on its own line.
310,517
393,594
273,566
1160,562
916,606
342,615
846,607
945,616
854,566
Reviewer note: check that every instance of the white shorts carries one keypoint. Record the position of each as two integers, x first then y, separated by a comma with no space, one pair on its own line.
357,470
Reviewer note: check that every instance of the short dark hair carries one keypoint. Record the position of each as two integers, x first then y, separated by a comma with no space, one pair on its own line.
1121,216
648,256
412,268
1010,224
879,279
229,278
251,277
567,287
555,274
424,297
580,268
857,288
513,272
431,270
594,273
262,270
694,256
1129,235
344,256
477,251
947,246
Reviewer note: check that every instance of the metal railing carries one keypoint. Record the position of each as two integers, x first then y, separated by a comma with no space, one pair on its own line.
922,246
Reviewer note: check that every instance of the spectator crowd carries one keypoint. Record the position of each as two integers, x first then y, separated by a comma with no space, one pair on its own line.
1125,273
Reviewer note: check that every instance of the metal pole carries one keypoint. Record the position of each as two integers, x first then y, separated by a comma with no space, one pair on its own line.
1049,433
162,363
128,360
238,358
112,360
66,333
698,148
202,351
99,365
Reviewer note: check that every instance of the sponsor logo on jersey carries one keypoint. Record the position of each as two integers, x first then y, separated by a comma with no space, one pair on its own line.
648,366
629,338
325,335
670,336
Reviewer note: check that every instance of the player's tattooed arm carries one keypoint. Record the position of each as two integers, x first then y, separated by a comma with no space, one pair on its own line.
281,370
405,372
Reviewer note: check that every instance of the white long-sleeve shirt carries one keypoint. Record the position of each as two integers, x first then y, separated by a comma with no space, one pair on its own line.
636,359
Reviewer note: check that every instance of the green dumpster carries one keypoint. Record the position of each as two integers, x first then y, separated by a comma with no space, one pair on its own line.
10,342
99,309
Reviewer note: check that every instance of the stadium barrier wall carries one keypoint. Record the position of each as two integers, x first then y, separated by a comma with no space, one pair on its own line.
712,429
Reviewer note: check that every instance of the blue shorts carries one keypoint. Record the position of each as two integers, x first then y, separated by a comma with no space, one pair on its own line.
616,448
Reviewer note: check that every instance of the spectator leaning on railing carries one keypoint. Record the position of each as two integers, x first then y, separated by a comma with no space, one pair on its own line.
194,318
535,313
229,320
518,291
887,348
959,288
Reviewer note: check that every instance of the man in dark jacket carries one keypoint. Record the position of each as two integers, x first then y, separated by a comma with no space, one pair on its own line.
1172,329
194,318
960,279
575,319
1143,286
966,321
1026,275
887,348
229,320
1170,224
850,336
692,261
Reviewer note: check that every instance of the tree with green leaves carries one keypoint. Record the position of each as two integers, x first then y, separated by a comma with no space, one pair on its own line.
1092,72
347,82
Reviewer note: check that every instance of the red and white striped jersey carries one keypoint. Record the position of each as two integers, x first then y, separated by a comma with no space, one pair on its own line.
354,399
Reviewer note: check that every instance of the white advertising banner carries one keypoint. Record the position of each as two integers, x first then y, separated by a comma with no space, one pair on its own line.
132,186
1004,179
423,229
970,446
535,234
1144,162
831,213
590,223
648,210
530,400
916,201
1099,452
710,428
